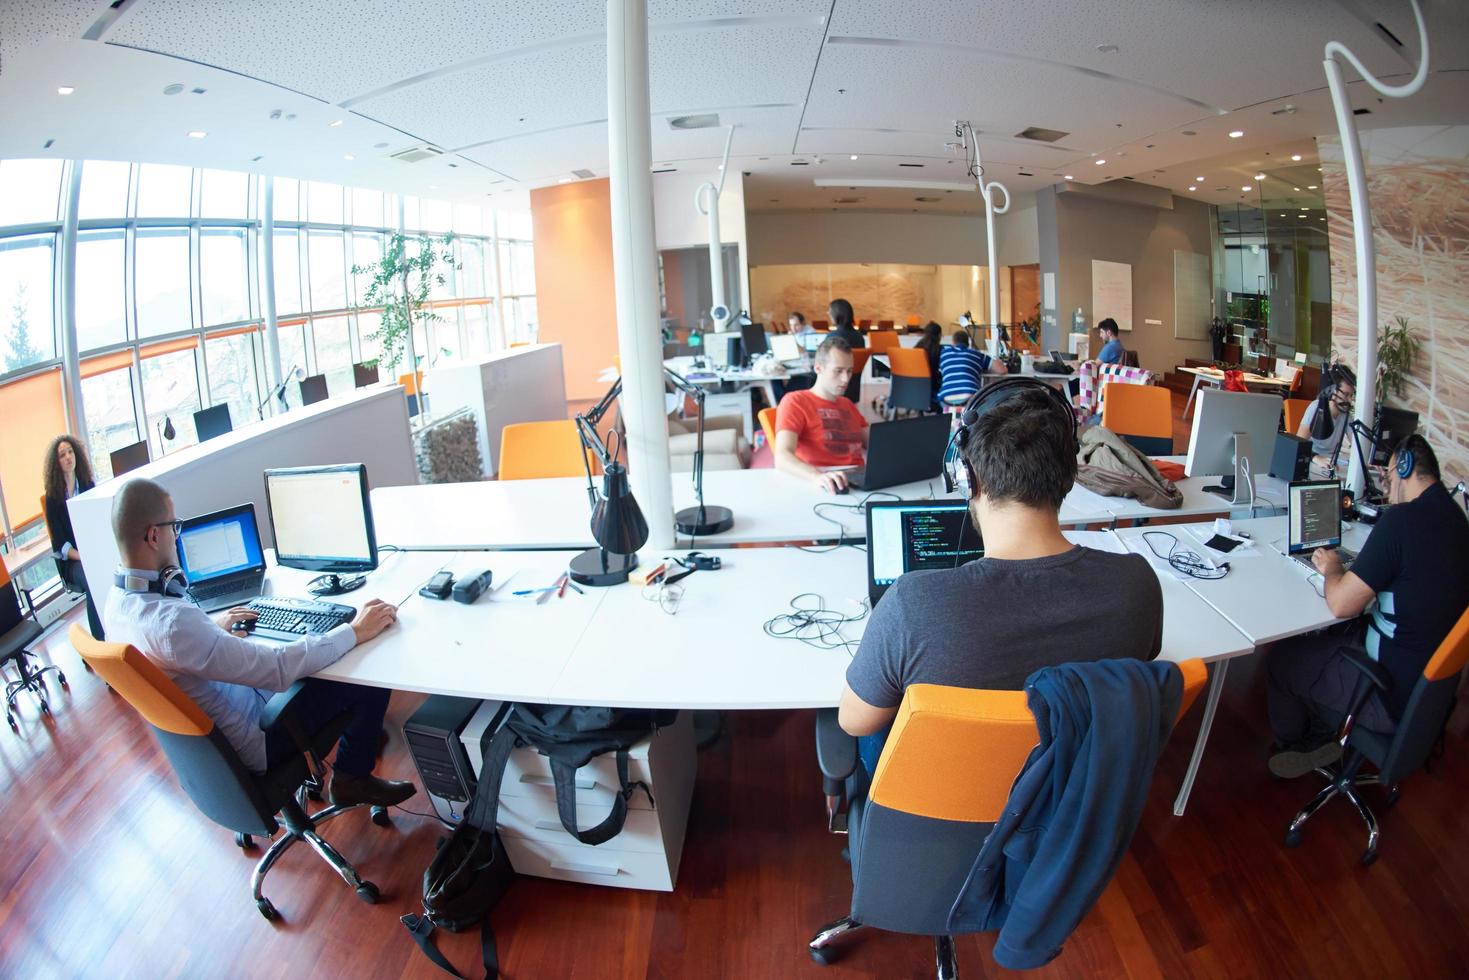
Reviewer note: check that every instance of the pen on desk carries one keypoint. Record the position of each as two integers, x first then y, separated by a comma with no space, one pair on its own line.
561,584
574,586
548,588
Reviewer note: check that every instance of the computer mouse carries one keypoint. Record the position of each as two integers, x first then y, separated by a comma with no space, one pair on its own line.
247,625
843,490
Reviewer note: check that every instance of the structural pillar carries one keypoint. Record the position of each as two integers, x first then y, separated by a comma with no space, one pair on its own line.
267,294
635,267
71,370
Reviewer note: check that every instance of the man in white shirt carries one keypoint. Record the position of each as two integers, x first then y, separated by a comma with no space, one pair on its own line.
229,675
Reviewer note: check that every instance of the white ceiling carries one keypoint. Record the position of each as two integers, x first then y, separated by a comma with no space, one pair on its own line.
515,92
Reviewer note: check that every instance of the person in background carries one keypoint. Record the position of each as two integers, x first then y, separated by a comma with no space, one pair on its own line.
931,343
797,325
1339,401
1413,564
1112,350
960,367
820,428
66,473
842,322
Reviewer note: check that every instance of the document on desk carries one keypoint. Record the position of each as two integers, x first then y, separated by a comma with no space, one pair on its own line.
1159,558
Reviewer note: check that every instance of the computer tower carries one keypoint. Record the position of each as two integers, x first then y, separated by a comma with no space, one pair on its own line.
1292,457
432,734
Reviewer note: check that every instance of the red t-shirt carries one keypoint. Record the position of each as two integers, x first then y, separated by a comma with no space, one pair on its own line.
828,433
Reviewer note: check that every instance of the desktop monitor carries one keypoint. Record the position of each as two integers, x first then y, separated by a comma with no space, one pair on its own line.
313,389
1393,426
129,458
364,375
908,535
321,518
753,335
785,347
1233,434
212,421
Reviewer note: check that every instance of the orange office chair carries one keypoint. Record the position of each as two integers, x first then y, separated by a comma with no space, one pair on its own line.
767,425
885,324
1295,410
1142,414
864,325
912,384
214,778
879,341
941,784
536,450
915,323
1398,754
413,389
859,361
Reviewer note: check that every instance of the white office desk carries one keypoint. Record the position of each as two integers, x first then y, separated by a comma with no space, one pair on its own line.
1197,502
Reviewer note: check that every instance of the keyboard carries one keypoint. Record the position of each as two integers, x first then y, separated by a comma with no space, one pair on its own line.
285,618
1347,557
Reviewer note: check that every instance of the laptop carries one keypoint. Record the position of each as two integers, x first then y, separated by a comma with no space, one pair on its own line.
220,554
905,535
785,347
904,451
1313,520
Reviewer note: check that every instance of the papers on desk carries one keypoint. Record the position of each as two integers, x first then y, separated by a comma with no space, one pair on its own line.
1159,558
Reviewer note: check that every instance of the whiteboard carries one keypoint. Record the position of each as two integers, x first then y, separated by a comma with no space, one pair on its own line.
1112,292
1191,288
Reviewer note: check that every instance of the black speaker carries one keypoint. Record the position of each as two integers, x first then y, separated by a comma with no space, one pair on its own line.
432,734
1292,457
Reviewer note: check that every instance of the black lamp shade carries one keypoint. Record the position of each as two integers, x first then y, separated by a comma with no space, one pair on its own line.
618,524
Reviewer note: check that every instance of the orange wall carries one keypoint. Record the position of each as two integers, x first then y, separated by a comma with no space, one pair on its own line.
574,287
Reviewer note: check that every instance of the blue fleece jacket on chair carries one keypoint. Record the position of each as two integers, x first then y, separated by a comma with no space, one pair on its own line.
1074,806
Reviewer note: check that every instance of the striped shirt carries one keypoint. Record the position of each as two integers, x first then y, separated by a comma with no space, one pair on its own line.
960,368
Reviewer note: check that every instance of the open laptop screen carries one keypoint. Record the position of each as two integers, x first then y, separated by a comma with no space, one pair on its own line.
905,536
1313,515
219,544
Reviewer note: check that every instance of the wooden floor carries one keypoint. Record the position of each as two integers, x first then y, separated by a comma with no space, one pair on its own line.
107,870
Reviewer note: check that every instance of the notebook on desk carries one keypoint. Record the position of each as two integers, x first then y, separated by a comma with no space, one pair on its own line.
908,535
904,451
1313,520
221,556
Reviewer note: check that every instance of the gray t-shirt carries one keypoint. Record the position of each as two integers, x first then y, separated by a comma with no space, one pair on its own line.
992,623
1327,446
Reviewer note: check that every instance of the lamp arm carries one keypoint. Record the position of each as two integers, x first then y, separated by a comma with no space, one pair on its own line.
697,393
591,439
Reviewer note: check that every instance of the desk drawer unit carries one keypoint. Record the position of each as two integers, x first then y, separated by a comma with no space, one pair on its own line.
644,855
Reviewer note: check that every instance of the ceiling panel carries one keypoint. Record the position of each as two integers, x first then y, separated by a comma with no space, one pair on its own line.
24,25
736,65
758,132
543,158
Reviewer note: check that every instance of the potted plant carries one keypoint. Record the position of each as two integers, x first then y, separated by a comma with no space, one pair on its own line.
1397,349
400,286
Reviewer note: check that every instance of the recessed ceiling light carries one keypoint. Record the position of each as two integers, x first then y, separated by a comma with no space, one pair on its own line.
1191,187
1069,177
65,90
1310,187
1245,188
1235,134
335,123
1199,180
1323,219
1296,157
1282,214
1297,188
348,156
1318,170
1099,162
172,89
197,134
379,146
854,156
564,180
433,187
1107,48
721,166
1259,176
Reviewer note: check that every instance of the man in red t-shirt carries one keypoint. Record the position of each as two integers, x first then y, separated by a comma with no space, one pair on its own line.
819,427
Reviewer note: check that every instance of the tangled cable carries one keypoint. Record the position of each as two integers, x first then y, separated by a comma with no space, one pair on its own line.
858,507
815,624
1182,560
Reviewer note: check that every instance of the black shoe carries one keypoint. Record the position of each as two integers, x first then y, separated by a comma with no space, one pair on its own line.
346,790
1297,761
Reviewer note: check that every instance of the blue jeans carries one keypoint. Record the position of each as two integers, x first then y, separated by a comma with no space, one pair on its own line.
869,749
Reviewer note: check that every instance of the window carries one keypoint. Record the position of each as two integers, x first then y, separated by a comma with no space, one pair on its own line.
333,341
162,281
111,421
469,219
30,191
517,265
171,392
410,214
163,190
477,318
287,199
367,207
287,274
101,288
367,250
293,355
327,269
436,216
27,321
222,272
104,192
225,193
520,319
324,203
513,224
232,364
471,254
32,413
446,337
369,347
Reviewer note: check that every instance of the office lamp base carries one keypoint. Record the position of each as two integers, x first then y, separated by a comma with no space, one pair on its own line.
702,521
597,567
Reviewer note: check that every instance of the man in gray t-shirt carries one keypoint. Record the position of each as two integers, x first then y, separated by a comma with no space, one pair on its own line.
1034,600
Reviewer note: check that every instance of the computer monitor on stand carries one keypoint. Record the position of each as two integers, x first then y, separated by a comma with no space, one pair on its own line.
321,520
1233,434
1393,426
753,335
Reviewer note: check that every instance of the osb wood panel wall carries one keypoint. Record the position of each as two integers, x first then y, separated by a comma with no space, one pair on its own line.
1418,181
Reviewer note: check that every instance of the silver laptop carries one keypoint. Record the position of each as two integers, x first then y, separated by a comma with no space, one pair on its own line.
1313,520
221,556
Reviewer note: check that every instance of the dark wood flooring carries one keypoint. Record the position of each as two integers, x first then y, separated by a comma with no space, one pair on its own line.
106,870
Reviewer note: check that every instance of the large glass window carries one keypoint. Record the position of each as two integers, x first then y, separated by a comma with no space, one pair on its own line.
477,329
293,355
287,199
513,224
104,191
26,312
101,294
225,193
324,203
471,253
469,219
328,270
517,265
171,392
437,216
111,421
222,275
333,339
231,362
162,281
367,250
367,207
30,191
287,274
164,191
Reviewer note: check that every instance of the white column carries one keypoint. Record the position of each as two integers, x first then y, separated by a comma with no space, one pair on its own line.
635,266
267,294
408,341
499,283
71,371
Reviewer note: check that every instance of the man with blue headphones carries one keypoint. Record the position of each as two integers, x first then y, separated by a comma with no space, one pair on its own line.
231,676
1415,566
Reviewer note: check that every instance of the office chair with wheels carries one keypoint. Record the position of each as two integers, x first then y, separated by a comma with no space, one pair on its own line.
767,425
19,630
912,384
1295,410
942,782
1141,414
1397,754
211,773
538,450
859,361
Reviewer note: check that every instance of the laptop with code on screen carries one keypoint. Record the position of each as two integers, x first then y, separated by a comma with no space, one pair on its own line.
221,556
1313,520
908,535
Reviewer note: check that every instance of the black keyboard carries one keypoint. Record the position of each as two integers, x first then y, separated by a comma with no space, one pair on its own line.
285,618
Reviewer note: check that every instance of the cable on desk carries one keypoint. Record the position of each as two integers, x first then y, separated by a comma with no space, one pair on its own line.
857,507
665,594
814,624
1182,560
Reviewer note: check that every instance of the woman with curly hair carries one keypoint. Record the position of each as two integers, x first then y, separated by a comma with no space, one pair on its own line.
66,473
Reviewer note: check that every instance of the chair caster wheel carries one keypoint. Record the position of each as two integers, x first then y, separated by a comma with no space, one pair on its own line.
61,678
1293,838
88,667
10,720
267,910
368,892
826,956
380,817
313,794
1391,800
45,708
1369,858
244,841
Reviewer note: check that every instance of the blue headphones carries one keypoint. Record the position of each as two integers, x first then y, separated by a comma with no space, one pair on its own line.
1405,463
958,475
171,581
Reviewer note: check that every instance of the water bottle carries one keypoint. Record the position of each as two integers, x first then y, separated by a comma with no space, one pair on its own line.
1078,321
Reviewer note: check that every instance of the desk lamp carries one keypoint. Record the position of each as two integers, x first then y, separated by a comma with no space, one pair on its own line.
618,525
699,520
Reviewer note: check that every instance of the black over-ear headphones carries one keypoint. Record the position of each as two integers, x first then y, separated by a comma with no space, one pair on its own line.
958,475
171,581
